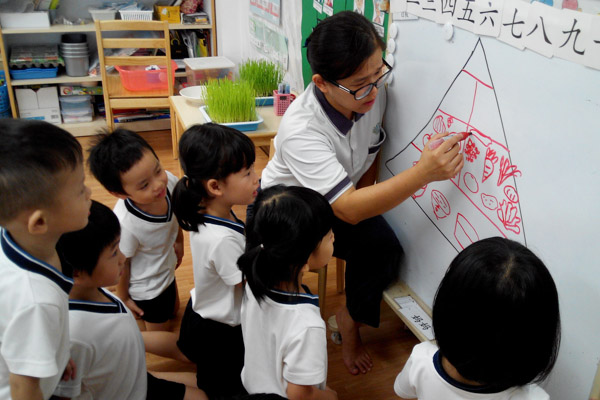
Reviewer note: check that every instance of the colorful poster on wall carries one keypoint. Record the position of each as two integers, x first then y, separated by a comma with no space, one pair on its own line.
269,10
269,42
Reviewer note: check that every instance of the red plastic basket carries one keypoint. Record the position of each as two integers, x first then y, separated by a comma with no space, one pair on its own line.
281,102
136,78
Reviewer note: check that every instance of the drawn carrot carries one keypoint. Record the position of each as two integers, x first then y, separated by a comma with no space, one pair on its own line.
488,165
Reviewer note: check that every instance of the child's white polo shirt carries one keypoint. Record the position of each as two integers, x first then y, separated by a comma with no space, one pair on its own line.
108,349
285,341
216,248
317,147
34,318
423,377
148,241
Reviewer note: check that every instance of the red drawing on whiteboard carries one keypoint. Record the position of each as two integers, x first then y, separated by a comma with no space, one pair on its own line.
482,200
507,170
464,232
471,182
438,124
471,151
441,207
489,163
507,213
511,194
426,138
419,192
489,202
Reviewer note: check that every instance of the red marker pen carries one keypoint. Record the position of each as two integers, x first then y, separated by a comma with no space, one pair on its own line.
438,142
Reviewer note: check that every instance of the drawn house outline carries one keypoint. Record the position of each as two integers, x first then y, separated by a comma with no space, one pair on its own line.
488,179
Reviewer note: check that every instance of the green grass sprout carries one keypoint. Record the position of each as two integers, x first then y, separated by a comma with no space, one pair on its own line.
263,75
228,101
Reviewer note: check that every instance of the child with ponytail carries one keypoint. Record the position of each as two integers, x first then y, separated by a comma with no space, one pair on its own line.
218,163
284,334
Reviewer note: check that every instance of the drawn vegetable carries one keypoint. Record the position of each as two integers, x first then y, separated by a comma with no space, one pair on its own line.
471,182
507,214
438,124
441,206
507,170
490,202
511,194
488,165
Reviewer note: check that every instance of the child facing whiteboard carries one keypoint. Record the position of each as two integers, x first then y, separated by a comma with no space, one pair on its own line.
497,326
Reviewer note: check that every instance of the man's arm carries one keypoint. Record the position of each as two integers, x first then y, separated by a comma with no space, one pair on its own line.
363,202
24,387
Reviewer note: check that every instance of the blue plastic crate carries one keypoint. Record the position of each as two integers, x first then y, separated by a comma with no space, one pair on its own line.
33,73
4,101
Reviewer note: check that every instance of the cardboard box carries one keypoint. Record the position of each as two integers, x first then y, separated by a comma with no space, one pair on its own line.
39,104
37,19
168,13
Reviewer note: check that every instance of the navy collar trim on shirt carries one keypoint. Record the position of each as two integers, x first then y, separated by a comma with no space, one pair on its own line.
112,307
342,123
294,298
132,208
27,262
237,226
485,389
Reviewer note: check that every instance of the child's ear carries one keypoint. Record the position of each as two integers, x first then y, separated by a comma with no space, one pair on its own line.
213,188
37,223
119,195
79,276
319,82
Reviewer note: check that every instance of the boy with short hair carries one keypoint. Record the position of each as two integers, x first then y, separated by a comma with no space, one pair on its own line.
42,196
151,239
106,343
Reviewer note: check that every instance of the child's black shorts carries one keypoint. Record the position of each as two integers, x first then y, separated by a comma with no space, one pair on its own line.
159,309
160,389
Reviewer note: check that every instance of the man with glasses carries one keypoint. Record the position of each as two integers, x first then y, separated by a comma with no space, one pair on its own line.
328,140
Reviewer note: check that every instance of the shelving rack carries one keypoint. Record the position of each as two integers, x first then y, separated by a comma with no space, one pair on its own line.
87,128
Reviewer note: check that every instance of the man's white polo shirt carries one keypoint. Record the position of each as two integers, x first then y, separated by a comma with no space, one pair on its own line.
317,147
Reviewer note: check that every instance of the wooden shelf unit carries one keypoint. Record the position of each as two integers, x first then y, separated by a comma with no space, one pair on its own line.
89,128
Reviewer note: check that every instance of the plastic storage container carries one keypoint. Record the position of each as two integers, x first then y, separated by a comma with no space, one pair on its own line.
201,69
85,114
74,103
282,102
137,78
136,15
102,14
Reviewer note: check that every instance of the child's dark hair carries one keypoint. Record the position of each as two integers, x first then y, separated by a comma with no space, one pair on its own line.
113,154
80,250
496,315
32,155
340,44
207,151
288,224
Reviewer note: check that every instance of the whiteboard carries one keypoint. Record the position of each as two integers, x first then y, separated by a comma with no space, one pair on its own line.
532,173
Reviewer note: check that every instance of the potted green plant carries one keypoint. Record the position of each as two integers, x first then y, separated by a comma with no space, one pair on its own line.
231,103
264,76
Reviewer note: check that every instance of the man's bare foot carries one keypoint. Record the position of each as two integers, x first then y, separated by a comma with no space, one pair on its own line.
354,352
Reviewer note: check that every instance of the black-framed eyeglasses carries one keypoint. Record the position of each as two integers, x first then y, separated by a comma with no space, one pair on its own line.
364,91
